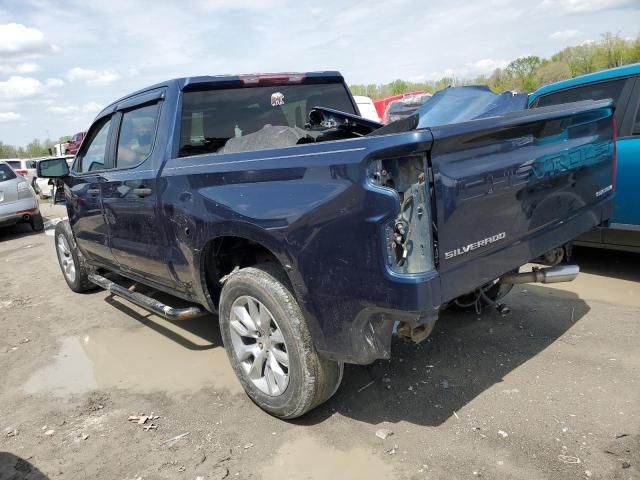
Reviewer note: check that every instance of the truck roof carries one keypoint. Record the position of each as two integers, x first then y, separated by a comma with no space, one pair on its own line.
251,78
618,72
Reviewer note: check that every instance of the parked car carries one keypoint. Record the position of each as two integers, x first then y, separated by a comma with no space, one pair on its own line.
621,84
23,166
404,107
382,103
44,187
18,201
73,145
312,243
366,108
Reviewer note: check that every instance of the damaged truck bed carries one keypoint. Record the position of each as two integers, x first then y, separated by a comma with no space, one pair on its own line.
312,231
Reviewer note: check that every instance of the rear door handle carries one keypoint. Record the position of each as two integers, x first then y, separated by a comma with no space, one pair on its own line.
142,192
93,192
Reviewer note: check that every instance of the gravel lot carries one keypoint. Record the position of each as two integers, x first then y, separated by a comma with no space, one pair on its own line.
551,390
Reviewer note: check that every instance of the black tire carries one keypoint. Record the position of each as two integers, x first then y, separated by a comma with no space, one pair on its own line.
37,224
80,283
312,379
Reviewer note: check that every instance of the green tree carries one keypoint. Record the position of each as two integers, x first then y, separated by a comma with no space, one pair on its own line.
522,70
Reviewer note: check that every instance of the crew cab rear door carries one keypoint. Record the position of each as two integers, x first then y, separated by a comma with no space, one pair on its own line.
510,188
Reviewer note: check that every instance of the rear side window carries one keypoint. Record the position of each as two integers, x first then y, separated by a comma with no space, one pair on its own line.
211,117
94,155
594,91
636,125
6,173
137,131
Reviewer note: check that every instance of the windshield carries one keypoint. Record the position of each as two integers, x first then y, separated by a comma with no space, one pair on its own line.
211,117
6,173
461,104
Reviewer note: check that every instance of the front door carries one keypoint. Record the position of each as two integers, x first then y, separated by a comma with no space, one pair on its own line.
130,193
83,194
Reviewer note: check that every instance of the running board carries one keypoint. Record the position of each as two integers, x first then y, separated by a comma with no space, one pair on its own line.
147,302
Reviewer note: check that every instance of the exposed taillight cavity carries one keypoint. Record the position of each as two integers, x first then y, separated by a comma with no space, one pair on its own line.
272,78
615,154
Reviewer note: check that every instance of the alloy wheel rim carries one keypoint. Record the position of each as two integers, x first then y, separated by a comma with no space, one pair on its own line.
66,259
259,346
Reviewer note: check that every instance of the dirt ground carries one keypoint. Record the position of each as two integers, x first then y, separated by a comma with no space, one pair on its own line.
549,391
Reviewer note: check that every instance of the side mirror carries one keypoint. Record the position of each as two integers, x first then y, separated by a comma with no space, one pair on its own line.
53,168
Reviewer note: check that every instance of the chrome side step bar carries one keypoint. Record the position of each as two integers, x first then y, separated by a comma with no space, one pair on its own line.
147,302
560,273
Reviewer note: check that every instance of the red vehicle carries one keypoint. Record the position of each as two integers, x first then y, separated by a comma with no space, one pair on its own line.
74,144
382,103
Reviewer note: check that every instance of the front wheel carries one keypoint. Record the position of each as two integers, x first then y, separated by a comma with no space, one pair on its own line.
269,344
74,268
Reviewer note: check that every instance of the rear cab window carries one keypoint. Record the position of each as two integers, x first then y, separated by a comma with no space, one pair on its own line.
6,173
211,117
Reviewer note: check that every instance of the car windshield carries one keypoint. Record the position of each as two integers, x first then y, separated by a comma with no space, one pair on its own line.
6,173
211,117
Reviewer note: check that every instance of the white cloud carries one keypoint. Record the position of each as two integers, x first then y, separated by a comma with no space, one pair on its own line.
92,107
582,6
564,34
6,117
54,82
62,110
92,77
89,107
17,40
20,87
21,68
486,65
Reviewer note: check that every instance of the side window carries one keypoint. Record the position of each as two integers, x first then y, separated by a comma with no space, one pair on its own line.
635,129
595,91
94,156
137,131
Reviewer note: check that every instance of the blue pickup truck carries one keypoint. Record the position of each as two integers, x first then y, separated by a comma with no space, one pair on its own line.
623,86
312,232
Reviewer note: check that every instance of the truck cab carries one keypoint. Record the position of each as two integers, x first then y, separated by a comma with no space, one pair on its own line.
622,85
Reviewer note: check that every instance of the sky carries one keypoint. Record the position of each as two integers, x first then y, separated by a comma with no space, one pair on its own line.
62,61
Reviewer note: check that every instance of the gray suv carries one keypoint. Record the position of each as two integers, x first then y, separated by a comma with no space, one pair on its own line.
18,201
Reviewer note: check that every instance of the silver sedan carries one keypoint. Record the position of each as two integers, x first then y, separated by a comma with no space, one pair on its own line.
18,201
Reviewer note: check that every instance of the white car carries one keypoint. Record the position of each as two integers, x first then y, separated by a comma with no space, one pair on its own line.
23,166
366,107
44,186
18,201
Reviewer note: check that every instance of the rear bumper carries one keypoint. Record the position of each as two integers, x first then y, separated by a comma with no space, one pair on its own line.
358,329
15,212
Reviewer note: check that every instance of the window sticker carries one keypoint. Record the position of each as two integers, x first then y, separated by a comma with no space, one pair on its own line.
277,99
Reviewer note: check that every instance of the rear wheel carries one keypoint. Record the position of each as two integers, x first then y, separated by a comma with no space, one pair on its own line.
72,263
37,225
269,344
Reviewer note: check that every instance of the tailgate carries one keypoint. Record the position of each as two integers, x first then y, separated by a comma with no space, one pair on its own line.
510,188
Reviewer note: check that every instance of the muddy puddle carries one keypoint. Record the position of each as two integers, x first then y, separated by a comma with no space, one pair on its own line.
140,359
308,458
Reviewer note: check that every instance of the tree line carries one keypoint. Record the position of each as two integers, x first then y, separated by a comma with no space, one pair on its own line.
526,74
36,148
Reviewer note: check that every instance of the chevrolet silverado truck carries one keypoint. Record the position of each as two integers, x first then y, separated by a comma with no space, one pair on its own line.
315,234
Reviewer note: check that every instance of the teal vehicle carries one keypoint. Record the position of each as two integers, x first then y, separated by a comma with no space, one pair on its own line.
621,84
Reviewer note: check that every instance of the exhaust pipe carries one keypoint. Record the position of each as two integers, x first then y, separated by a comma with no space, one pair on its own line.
26,217
557,274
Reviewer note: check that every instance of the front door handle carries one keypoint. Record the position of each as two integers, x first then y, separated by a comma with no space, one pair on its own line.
94,192
142,192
